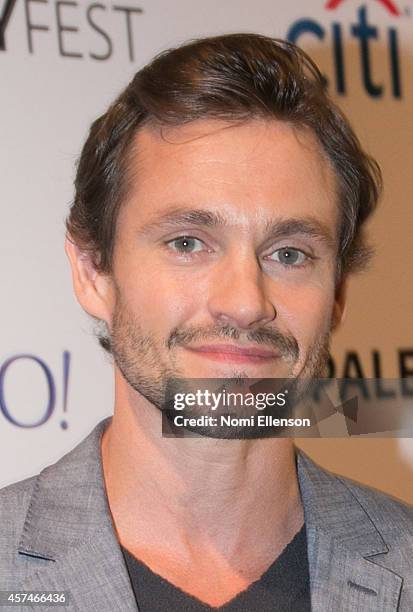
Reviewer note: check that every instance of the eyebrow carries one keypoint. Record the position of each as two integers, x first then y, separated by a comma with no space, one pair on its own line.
183,216
275,228
308,226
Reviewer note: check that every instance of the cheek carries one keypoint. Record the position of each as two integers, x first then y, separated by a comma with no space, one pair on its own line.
306,313
160,301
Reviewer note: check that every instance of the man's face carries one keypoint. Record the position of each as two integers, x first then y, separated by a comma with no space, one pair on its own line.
225,255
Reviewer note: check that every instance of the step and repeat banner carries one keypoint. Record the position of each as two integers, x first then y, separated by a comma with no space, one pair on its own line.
61,63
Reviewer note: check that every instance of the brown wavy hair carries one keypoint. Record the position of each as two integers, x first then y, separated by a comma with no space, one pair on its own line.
234,77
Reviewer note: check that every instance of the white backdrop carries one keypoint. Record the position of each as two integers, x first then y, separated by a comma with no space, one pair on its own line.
61,63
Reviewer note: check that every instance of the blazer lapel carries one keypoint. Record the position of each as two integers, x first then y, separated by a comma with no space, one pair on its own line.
345,549
93,574
69,526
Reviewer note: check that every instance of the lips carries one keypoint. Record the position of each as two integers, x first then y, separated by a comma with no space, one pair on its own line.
232,352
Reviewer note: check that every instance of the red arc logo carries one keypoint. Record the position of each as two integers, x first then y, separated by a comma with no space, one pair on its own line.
388,4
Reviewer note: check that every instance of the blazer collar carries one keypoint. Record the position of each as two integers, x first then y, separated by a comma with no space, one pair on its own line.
331,506
69,524
69,502
345,548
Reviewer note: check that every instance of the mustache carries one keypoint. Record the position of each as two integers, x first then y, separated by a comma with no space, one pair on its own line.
286,344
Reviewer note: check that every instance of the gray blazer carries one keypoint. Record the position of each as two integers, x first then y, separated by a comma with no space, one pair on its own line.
56,534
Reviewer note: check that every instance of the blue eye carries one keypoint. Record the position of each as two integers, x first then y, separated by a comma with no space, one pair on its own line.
289,256
186,245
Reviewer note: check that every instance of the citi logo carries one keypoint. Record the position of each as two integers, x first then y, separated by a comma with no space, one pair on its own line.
388,4
368,38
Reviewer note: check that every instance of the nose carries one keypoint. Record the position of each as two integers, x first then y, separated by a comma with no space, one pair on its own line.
238,295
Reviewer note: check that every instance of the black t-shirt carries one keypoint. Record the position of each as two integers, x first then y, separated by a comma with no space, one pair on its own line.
283,587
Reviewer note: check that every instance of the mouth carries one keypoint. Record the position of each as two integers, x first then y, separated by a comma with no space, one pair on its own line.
235,353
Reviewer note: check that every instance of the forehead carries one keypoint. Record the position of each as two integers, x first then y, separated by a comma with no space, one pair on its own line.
249,172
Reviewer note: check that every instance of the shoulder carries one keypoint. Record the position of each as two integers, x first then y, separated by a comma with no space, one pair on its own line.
332,496
386,511
70,475
14,503
72,488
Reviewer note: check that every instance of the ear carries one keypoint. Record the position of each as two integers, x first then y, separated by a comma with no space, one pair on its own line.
94,290
340,303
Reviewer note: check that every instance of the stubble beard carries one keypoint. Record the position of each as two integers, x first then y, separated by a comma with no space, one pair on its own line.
139,359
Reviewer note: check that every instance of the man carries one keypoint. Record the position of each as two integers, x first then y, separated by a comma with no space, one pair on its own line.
219,209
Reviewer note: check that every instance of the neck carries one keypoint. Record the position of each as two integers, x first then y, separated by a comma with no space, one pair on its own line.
176,495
